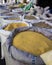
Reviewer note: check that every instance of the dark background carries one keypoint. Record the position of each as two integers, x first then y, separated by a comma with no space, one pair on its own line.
44,3
2,62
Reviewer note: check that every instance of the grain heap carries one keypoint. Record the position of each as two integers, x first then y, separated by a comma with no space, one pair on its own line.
12,26
42,25
29,17
34,43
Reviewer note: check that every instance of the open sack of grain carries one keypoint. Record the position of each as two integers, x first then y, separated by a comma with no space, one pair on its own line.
30,18
9,19
44,27
6,30
6,14
3,10
26,46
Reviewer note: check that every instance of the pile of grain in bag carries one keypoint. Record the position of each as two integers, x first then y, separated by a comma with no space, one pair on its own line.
13,18
29,17
42,25
12,26
44,28
28,45
32,42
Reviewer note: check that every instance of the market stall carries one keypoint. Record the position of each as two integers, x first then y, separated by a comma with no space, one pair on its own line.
30,26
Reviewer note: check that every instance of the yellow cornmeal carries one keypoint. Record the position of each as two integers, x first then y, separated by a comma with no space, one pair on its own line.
14,25
32,42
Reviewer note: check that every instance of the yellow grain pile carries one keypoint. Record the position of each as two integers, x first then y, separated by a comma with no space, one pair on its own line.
14,25
32,42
